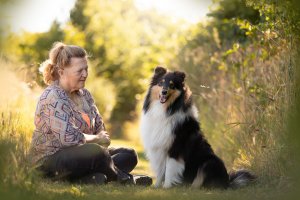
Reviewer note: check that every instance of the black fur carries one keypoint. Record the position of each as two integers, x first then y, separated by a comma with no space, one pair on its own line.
197,153
189,143
158,73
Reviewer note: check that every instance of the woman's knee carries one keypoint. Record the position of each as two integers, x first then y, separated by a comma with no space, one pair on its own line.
96,151
133,155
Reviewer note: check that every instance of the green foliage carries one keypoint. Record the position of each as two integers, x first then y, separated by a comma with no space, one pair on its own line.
229,9
35,50
123,55
124,46
224,20
246,69
77,16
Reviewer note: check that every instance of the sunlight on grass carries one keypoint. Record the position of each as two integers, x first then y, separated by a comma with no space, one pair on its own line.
17,112
117,191
17,105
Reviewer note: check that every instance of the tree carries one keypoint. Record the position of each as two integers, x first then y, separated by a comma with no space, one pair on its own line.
34,49
125,45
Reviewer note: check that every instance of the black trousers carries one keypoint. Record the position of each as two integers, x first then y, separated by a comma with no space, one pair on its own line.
76,162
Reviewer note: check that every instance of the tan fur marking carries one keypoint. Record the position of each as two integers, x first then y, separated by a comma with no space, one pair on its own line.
155,91
173,95
199,179
188,93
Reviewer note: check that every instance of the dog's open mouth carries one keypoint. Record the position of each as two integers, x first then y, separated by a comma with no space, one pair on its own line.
163,98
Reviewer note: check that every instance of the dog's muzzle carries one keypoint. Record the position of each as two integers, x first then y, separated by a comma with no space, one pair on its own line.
163,96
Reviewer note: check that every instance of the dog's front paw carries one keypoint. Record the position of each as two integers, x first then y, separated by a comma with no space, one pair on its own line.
167,185
157,185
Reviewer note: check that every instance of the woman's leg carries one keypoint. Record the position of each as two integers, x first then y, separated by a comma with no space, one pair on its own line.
78,161
124,158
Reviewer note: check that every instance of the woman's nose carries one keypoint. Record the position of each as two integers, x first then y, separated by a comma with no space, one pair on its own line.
85,73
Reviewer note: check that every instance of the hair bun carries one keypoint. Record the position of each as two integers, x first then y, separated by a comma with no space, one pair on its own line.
47,68
46,64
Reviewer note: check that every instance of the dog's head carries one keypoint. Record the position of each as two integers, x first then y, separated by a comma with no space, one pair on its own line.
167,86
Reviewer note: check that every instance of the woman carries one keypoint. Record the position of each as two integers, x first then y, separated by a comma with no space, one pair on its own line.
70,141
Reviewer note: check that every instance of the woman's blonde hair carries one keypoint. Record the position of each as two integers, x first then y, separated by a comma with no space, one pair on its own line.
59,57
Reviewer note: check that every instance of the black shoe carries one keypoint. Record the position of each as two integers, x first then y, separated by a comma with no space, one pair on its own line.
94,178
142,180
125,178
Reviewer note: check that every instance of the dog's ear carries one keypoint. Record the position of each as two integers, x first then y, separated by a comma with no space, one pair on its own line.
180,75
160,70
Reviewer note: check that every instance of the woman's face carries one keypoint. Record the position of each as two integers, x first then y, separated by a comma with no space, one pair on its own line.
74,76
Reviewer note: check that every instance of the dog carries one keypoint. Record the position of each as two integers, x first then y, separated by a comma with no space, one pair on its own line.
174,144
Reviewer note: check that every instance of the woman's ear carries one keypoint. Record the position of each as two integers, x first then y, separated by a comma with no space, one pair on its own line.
60,72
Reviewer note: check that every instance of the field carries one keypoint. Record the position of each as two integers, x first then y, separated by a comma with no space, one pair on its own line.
20,181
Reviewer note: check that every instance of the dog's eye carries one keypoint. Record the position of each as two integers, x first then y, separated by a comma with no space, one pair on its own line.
160,83
171,86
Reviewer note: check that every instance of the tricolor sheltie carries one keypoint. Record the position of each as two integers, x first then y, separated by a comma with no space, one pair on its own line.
173,141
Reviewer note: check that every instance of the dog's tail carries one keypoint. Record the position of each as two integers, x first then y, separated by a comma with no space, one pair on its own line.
241,178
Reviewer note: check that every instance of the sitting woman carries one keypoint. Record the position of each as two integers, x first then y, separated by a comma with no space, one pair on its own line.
70,141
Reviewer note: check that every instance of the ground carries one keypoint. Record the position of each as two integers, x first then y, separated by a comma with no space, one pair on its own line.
45,189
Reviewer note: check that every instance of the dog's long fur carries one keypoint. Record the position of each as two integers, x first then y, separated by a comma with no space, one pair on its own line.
173,141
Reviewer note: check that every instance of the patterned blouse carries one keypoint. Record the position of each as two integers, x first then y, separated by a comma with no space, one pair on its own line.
60,123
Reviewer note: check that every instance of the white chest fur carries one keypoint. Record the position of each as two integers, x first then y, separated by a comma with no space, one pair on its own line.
157,127
157,134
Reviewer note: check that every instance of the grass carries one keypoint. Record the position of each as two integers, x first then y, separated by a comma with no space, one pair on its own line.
57,190
19,181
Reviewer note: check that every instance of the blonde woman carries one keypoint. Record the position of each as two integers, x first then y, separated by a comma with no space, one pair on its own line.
70,141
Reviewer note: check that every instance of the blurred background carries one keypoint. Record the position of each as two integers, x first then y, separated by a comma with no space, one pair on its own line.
240,57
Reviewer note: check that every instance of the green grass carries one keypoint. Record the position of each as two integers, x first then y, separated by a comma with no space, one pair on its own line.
19,181
58,190
30,186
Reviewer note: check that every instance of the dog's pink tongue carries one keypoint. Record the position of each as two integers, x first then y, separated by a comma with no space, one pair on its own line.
163,99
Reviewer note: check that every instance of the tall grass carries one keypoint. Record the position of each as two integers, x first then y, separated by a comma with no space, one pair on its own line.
243,94
17,105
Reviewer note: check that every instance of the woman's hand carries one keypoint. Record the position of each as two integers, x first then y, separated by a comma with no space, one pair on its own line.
104,138
101,138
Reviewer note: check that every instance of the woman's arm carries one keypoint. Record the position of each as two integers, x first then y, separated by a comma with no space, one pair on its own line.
100,135
101,138
62,124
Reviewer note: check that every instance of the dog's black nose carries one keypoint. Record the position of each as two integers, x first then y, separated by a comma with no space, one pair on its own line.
164,92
